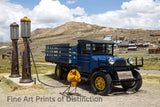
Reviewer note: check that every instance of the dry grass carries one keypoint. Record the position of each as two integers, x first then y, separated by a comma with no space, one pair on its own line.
151,61
12,88
151,80
43,70
5,65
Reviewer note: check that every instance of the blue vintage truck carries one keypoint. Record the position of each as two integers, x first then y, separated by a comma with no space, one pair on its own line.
95,61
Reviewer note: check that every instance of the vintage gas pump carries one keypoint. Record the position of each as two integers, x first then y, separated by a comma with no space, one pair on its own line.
26,66
14,35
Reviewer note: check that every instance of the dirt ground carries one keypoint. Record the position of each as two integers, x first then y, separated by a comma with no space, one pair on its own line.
148,96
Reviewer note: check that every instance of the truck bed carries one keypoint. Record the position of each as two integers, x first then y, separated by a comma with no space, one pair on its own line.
61,53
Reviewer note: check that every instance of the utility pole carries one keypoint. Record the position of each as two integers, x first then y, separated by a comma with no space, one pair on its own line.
14,35
26,66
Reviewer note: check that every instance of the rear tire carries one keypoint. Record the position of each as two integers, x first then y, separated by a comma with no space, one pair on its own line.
101,83
58,72
133,85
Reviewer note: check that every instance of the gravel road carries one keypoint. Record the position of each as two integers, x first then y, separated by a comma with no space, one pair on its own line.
148,96
150,72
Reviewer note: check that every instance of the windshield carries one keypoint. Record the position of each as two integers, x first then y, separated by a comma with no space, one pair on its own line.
102,49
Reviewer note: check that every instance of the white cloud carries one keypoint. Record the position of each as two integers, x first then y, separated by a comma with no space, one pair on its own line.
71,1
48,13
78,11
133,14
9,13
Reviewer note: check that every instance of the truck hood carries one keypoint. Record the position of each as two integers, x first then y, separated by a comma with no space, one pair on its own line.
96,57
106,57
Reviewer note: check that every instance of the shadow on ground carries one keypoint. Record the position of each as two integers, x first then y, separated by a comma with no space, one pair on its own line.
85,85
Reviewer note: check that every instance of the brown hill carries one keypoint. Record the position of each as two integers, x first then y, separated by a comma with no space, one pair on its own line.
72,31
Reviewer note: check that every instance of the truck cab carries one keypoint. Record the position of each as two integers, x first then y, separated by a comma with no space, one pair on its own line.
93,53
95,61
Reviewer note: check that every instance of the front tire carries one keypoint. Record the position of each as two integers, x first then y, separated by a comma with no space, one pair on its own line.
136,85
101,83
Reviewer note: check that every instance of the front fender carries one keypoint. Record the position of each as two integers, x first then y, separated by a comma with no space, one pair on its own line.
101,69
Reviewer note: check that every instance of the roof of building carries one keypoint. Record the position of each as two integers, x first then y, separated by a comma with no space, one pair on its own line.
96,41
150,48
132,47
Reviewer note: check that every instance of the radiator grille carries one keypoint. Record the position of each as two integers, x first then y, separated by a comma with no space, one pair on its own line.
120,64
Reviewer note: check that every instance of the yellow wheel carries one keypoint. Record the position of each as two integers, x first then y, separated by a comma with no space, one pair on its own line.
74,75
58,72
100,83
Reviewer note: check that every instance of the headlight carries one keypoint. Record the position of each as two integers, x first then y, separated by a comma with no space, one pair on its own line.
130,60
111,61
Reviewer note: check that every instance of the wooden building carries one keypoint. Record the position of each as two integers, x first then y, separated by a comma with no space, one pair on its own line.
154,50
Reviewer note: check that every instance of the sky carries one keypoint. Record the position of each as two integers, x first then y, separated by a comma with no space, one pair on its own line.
130,14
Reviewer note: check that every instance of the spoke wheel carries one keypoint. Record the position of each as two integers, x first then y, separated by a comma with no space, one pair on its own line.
58,72
101,83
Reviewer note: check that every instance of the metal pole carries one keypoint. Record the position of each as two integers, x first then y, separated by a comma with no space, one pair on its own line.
14,33
15,62
26,67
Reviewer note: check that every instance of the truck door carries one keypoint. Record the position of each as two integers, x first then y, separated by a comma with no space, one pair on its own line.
84,57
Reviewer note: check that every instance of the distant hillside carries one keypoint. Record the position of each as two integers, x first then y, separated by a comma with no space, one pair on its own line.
72,31
2,43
